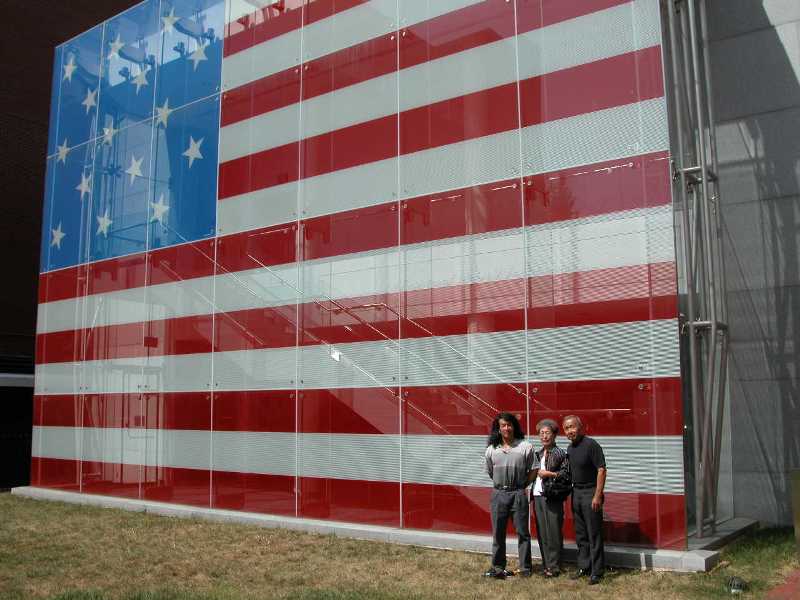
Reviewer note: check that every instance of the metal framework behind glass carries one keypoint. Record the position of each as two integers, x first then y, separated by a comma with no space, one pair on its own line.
704,312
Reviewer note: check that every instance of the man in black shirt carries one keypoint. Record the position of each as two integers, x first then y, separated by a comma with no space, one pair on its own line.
588,466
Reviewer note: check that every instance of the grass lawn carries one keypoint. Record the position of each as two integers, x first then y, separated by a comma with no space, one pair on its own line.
61,551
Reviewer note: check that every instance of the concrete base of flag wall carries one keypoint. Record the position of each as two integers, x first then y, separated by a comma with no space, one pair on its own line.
701,556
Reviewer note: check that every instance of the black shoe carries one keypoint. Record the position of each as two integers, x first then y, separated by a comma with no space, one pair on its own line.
495,573
524,573
507,573
595,579
579,573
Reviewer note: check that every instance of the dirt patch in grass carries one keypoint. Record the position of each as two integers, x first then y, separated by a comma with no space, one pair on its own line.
50,550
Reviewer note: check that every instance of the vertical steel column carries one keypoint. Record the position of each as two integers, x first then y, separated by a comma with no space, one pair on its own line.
705,280
720,267
686,238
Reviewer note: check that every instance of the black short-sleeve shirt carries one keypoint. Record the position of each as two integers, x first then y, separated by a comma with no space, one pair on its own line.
585,458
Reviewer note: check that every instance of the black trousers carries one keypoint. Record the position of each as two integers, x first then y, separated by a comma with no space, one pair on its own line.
513,504
549,530
588,532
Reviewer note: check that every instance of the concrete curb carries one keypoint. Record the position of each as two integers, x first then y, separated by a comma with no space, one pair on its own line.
695,560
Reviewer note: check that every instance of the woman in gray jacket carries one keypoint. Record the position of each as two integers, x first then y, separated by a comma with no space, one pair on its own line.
550,490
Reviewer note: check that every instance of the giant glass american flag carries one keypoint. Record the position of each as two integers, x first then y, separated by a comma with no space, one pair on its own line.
296,255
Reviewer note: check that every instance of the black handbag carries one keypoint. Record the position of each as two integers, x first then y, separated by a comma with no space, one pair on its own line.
558,488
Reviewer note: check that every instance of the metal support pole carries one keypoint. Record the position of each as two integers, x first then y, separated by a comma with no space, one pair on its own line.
707,440
689,275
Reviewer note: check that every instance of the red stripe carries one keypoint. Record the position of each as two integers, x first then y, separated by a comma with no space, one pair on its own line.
623,184
463,29
253,492
347,67
255,410
175,263
110,479
626,407
653,520
636,76
372,502
62,284
602,84
631,519
174,485
261,96
637,293
57,410
164,410
55,473
349,410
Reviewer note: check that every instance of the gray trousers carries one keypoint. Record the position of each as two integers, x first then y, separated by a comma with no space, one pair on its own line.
588,532
549,530
513,504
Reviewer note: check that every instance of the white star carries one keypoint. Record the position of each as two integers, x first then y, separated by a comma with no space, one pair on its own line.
159,210
169,21
90,100
58,235
115,47
135,170
69,68
198,55
103,223
63,150
84,187
193,151
108,135
141,78
163,113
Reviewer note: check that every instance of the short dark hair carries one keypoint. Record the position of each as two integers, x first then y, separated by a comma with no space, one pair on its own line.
495,438
550,423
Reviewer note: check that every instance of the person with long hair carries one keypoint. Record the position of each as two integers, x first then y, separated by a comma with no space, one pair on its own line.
509,460
551,488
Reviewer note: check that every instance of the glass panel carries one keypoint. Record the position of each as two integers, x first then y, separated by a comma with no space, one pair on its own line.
131,52
69,207
184,203
177,443
191,60
256,294
349,315
55,96
178,333
122,190
463,262
260,119
56,447
79,92
112,445
56,443
602,330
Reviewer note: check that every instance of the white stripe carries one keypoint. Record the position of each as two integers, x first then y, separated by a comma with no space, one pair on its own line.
636,464
639,349
620,239
603,135
237,9
578,41
321,38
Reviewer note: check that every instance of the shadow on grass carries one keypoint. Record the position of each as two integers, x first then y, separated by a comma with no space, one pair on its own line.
752,558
